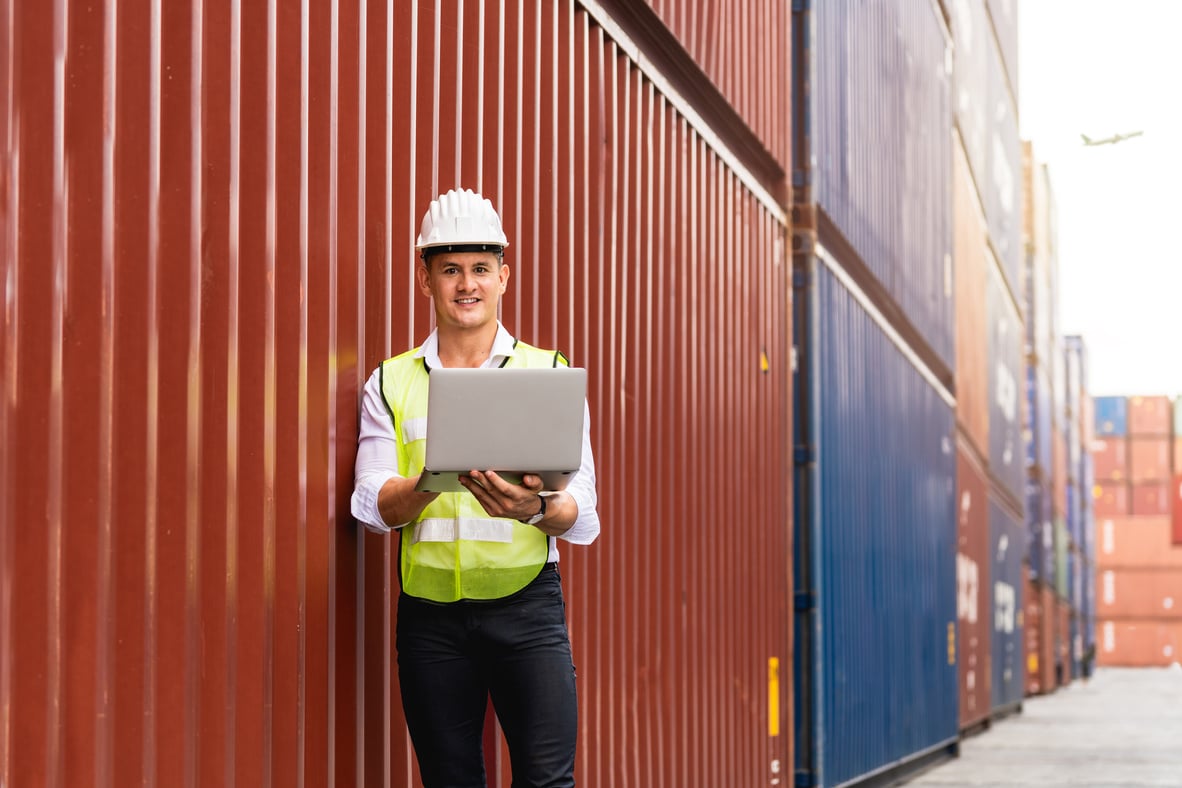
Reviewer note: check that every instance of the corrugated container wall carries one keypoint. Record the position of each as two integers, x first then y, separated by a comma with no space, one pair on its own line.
1004,16
207,217
750,64
970,260
881,116
1007,378
973,582
1007,549
876,691
1003,194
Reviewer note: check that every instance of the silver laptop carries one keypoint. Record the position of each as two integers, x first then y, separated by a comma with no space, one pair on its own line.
512,421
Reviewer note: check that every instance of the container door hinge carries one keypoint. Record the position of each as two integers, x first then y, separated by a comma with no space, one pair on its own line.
804,600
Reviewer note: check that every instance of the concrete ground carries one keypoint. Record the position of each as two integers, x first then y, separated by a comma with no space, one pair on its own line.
1122,728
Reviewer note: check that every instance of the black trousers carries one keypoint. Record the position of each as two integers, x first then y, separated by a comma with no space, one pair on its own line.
453,657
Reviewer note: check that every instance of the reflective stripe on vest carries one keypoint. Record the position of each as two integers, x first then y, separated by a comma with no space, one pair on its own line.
454,550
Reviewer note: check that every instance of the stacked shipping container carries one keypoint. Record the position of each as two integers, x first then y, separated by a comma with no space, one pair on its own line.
874,429
1080,564
1055,401
990,380
1139,560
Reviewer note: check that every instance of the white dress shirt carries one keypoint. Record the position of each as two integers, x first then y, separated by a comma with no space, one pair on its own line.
377,457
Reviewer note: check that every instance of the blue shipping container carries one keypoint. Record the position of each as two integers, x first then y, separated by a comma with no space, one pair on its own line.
1007,538
1074,512
876,675
880,124
1007,455
1037,434
1040,532
1003,186
1112,416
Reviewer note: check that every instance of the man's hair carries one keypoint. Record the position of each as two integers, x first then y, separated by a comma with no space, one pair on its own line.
433,251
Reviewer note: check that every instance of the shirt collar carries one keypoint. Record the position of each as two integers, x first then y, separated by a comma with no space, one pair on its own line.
502,348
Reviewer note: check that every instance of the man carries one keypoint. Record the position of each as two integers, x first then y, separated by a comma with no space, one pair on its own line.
481,612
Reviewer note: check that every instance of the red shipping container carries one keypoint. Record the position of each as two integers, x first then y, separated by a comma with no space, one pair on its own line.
1149,459
973,597
1150,416
1134,643
1137,543
1139,593
1110,459
1176,505
1150,498
1039,637
1177,454
1110,499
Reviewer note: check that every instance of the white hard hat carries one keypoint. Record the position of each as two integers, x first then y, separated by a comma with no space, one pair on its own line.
461,219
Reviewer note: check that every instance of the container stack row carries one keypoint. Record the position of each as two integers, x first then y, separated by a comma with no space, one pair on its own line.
1046,635
1080,553
1137,455
910,477
990,336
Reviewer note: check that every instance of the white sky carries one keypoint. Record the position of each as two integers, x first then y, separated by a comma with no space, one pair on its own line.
1099,68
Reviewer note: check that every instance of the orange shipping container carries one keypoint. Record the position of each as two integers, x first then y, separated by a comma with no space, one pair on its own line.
1150,416
1177,454
1138,643
1149,459
1139,593
1137,543
969,259
1110,499
1150,498
1110,459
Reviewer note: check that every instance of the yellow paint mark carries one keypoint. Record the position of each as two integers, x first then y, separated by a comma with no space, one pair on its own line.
773,696
952,643
764,364
1032,663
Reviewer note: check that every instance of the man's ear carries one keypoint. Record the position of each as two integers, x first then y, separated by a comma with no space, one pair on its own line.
424,278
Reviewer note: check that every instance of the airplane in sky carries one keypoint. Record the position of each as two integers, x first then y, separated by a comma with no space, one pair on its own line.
1115,138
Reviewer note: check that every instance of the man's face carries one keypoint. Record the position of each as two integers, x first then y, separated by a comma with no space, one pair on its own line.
465,286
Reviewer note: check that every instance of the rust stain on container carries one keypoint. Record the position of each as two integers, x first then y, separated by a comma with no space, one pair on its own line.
208,217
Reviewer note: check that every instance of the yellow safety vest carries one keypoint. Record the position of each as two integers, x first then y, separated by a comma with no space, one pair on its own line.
454,550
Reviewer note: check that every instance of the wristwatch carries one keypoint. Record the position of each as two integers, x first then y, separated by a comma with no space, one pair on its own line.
537,518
